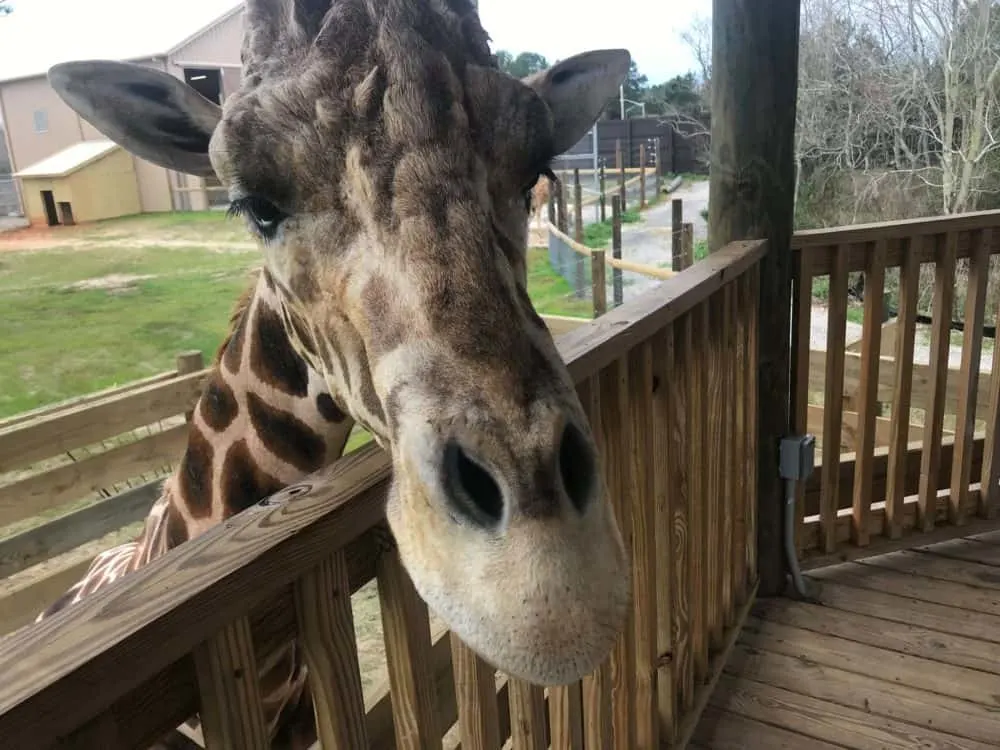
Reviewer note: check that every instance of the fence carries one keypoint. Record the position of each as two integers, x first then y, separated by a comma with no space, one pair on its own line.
683,145
669,383
80,472
925,454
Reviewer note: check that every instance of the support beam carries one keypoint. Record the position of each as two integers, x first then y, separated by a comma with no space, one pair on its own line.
755,49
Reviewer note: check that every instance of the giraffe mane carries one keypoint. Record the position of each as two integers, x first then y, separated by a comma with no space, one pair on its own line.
239,310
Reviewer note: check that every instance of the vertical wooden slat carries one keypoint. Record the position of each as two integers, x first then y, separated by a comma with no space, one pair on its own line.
801,347
232,712
968,385
566,716
741,489
329,645
698,467
645,578
680,504
989,502
617,447
597,685
833,409
476,697
729,481
753,316
407,634
871,346
527,715
930,460
909,287
664,464
713,466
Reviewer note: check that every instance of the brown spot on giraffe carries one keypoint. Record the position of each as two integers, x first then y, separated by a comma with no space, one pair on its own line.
285,435
272,357
217,405
329,409
244,483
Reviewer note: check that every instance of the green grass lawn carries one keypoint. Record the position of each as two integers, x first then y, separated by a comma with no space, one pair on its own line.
60,340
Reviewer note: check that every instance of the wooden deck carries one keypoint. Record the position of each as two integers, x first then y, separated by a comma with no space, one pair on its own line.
902,652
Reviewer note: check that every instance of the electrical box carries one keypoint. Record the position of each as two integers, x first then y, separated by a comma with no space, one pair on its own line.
797,457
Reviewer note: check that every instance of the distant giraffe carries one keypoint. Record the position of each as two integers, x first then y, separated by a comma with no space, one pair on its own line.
384,163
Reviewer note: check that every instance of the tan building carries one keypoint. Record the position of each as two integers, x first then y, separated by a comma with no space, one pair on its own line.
42,130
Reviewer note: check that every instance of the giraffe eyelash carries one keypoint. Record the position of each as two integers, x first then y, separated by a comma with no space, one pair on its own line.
264,216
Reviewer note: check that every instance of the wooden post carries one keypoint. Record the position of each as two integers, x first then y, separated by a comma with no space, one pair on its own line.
603,198
561,222
578,230
687,243
642,176
676,241
620,165
616,247
552,203
599,282
658,165
186,363
755,52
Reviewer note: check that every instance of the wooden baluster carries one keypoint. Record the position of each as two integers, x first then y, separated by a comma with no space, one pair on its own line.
407,633
527,716
730,482
990,481
646,577
698,466
742,492
909,288
833,406
617,448
232,712
665,465
800,354
476,698
713,467
753,293
597,716
930,460
566,716
968,384
871,347
329,645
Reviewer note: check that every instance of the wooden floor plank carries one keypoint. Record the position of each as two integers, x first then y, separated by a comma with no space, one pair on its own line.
823,720
965,549
939,568
986,537
915,706
722,730
903,583
851,656
843,596
897,637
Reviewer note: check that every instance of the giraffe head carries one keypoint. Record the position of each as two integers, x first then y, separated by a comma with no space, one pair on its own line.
385,164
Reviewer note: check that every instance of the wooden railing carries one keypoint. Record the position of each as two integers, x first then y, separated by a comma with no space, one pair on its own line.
77,473
924,434
669,383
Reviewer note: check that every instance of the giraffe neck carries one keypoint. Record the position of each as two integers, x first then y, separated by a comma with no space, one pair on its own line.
265,420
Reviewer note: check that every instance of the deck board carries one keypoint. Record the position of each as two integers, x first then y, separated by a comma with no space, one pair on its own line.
900,651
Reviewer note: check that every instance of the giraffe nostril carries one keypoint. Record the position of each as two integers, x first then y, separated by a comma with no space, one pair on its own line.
470,488
576,467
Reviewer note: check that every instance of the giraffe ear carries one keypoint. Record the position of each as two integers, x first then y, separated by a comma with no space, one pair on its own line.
577,89
148,112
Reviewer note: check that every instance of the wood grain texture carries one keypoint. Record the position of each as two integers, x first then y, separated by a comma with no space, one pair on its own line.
329,646
836,332
753,458
909,287
232,713
527,716
665,463
566,716
990,478
697,472
871,346
972,348
641,481
475,691
944,290
616,446
713,466
407,634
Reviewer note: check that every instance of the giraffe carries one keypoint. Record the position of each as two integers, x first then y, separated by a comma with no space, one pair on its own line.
384,163
540,198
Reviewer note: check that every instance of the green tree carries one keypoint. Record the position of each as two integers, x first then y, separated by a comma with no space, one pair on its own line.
634,89
523,65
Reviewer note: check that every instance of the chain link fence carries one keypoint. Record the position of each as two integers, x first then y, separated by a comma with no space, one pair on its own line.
9,203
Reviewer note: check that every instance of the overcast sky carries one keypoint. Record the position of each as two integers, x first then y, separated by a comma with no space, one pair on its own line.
41,32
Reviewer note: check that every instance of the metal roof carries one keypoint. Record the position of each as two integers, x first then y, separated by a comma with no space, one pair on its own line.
69,160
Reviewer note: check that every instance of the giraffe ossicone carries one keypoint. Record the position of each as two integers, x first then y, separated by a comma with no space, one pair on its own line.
385,163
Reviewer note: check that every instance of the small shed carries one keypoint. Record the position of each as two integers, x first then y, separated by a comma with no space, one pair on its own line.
88,181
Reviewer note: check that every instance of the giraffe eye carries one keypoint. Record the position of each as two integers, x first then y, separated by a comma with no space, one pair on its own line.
264,217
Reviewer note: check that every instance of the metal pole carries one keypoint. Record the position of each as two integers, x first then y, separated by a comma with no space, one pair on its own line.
593,140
